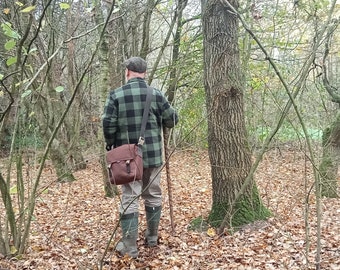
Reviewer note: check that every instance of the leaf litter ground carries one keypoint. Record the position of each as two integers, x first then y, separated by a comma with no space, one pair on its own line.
74,222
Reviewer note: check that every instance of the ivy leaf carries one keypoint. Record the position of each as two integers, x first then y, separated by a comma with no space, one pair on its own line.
59,89
10,44
28,9
64,6
10,61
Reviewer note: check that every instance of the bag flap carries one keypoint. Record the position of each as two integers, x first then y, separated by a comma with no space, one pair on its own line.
123,152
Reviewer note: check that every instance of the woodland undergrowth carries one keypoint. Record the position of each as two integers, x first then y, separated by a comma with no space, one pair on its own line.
74,221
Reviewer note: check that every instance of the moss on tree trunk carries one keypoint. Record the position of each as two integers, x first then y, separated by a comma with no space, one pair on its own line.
247,209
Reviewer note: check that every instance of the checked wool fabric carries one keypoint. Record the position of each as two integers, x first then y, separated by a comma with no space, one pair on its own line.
123,115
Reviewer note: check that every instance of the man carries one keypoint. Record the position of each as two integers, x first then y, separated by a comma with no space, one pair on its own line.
122,119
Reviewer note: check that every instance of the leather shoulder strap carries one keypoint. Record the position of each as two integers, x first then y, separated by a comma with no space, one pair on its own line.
145,115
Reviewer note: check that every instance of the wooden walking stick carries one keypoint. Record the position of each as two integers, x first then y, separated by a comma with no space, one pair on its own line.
168,178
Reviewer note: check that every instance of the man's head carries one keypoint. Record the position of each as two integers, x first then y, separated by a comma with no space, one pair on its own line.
136,65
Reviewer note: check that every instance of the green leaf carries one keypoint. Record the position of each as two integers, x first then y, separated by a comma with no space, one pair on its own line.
10,61
64,6
26,93
13,190
28,9
10,44
8,31
59,88
1,76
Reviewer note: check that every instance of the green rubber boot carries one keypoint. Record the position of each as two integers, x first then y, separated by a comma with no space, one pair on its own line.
128,244
153,215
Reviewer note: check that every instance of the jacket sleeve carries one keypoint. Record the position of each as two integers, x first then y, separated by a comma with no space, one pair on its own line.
169,115
110,120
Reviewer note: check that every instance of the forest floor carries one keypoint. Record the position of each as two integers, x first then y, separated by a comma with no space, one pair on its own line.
73,222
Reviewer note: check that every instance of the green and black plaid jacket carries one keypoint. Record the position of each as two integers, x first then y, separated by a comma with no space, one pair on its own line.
123,115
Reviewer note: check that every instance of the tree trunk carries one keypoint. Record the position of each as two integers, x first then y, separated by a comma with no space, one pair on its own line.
75,117
7,219
64,173
103,54
59,151
146,29
330,160
229,153
175,69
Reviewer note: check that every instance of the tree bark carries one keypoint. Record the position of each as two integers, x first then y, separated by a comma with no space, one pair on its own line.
330,160
104,59
175,69
229,153
75,118
331,135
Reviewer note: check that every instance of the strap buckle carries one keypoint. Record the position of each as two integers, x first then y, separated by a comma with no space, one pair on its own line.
141,141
